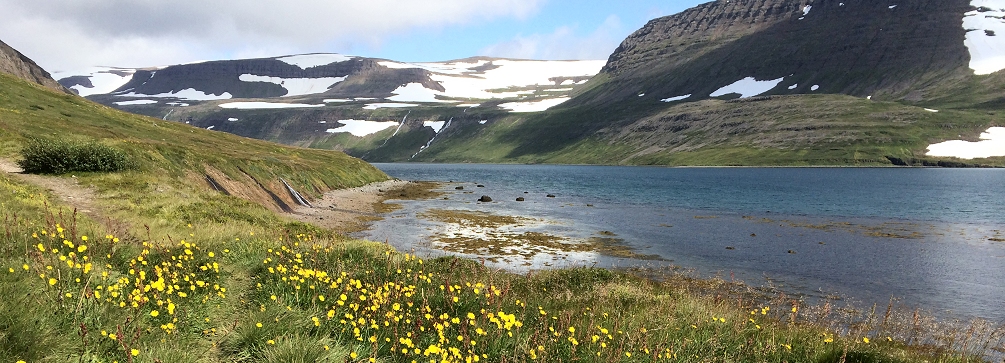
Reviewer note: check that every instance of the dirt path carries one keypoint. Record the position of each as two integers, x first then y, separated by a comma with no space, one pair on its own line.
67,189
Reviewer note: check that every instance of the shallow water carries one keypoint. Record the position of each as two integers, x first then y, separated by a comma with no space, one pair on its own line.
869,234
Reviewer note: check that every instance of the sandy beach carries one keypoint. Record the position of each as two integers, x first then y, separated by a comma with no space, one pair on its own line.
348,210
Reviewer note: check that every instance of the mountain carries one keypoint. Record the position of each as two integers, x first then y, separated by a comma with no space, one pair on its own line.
14,63
886,49
729,82
335,78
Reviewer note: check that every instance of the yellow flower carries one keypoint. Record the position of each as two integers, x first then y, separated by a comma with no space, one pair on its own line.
154,313
111,336
258,325
271,342
865,340
81,248
52,281
353,355
135,352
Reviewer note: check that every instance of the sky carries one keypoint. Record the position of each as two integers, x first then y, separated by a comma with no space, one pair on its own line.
71,35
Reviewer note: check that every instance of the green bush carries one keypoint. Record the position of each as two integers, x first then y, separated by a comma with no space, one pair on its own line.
58,156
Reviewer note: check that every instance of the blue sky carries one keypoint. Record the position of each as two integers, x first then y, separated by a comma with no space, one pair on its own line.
70,35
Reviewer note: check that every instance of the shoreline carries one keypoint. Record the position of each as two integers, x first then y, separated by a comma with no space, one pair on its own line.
349,210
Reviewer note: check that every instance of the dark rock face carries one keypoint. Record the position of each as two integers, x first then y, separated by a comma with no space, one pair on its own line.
14,63
854,47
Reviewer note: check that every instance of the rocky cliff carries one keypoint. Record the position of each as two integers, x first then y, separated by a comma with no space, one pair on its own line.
15,63
887,49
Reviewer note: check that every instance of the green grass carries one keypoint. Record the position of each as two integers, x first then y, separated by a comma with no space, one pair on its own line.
276,297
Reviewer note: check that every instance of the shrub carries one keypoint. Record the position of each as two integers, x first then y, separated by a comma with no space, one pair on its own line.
58,156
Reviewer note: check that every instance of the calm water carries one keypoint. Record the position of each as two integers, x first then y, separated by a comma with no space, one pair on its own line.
869,234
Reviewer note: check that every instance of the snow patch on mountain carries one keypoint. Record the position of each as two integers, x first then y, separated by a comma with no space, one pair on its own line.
534,106
992,144
103,79
296,86
264,105
678,98
306,61
135,102
414,92
190,94
748,87
484,79
361,128
435,125
374,106
986,36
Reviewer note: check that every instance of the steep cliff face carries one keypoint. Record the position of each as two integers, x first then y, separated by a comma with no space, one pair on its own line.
888,49
14,63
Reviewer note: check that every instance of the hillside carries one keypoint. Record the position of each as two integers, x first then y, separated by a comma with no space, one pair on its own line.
16,64
211,173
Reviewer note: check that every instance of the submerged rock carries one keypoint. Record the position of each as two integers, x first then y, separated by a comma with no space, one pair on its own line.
551,195
521,199
485,199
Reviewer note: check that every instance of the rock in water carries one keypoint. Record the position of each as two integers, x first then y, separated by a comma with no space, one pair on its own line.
459,188
520,199
485,199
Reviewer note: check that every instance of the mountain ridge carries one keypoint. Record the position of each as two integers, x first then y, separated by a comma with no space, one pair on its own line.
14,63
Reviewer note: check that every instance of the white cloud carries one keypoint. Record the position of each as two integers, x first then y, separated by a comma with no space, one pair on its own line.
564,43
72,34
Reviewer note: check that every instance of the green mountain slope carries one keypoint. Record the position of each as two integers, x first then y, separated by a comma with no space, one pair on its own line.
182,172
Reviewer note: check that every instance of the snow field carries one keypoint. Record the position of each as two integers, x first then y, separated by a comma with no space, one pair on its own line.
747,87
264,105
992,144
296,86
435,125
102,78
374,106
678,98
987,51
534,106
461,80
136,102
361,128
414,92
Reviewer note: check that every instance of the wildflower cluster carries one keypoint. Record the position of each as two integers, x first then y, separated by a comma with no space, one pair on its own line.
145,283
